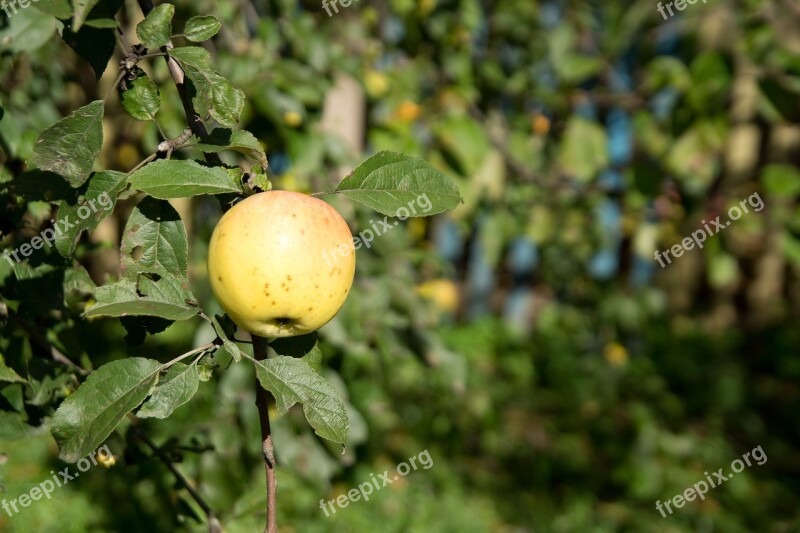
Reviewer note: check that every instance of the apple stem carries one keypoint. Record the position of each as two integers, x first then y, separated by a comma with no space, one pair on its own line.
267,448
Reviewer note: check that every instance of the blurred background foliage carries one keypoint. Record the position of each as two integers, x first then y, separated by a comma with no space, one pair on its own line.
560,379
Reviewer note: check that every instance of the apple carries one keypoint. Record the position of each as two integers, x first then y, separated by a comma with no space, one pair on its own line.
281,263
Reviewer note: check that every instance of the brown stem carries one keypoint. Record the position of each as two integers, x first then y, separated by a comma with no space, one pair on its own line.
179,77
267,448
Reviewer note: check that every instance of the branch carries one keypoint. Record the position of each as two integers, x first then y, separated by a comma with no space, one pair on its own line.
179,77
267,448
213,524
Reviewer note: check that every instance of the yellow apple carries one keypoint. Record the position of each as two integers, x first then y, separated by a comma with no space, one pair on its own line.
281,263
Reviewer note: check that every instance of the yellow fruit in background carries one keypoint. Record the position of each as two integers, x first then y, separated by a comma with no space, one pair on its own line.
540,124
442,292
615,354
376,83
292,119
408,111
281,263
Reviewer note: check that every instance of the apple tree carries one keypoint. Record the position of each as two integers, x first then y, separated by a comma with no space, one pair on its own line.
58,189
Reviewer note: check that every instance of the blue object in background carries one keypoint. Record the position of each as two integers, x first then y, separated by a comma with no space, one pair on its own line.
447,239
620,137
550,14
523,256
393,30
586,109
643,269
662,103
279,163
605,263
480,275
612,180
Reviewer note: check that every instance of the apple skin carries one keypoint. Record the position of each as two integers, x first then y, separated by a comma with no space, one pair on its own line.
281,263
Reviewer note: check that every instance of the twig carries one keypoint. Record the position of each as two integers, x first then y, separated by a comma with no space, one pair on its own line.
267,448
142,163
179,77
154,54
213,524
114,85
190,353
160,130
170,145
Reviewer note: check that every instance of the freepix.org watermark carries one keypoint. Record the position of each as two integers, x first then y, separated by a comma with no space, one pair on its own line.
701,487
381,227
699,236
366,488
680,5
49,236
10,6
327,7
45,489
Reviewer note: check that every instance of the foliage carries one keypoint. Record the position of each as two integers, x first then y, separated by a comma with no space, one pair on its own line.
560,379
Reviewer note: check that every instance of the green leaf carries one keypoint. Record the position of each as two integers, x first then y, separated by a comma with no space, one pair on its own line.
170,178
314,359
95,45
176,388
96,202
71,145
89,415
583,152
244,142
138,327
27,31
791,248
201,28
576,67
156,30
7,374
227,344
694,157
140,96
465,140
781,180
257,179
305,347
215,96
60,9
396,184
81,9
41,186
154,238
166,297
12,426
103,14
291,381
78,287
232,349
205,371
102,23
